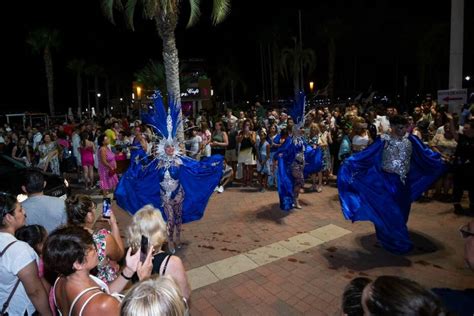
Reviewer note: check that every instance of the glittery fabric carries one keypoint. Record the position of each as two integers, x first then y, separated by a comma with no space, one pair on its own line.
173,208
297,167
396,156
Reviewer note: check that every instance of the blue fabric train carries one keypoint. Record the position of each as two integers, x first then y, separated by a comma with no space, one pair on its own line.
140,186
178,185
296,160
368,193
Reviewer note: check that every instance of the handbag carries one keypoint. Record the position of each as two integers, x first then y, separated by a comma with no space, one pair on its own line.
7,302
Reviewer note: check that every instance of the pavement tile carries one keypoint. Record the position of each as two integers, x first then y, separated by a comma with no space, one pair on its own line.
200,277
300,242
267,254
201,304
329,232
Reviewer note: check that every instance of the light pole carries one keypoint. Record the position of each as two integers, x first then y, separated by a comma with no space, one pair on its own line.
98,102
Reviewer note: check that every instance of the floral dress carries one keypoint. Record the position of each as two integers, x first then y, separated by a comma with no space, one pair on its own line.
53,163
106,269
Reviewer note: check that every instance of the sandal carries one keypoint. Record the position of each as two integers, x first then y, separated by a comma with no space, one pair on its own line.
171,248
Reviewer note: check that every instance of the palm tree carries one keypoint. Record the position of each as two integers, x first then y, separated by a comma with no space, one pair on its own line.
333,31
153,77
44,41
95,71
230,78
165,13
293,61
77,66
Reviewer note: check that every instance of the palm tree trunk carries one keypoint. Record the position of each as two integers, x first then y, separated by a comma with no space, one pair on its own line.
79,91
48,62
107,91
166,27
276,58
96,92
331,66
296,84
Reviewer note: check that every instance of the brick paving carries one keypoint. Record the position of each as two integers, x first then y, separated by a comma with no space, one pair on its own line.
311,281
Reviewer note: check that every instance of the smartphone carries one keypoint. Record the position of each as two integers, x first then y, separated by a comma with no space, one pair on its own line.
143,248
106,208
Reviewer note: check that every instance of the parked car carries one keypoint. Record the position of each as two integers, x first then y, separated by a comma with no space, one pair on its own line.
12,177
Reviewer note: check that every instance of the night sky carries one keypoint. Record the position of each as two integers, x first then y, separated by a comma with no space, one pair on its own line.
380,42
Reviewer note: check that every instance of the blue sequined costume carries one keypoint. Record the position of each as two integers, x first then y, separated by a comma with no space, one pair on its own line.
178,185
296,159
380,183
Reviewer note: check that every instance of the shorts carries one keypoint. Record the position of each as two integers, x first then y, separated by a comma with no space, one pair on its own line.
231,155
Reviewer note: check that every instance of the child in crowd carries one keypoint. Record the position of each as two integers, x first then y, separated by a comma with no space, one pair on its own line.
35,236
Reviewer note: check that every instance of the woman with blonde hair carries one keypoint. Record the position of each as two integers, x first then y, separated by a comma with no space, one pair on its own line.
149,223
154,296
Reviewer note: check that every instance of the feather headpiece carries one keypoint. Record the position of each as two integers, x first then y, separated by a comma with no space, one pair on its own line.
164,122
297,110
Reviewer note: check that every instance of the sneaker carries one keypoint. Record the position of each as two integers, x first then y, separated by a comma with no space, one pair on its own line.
220,189
216,189
262,190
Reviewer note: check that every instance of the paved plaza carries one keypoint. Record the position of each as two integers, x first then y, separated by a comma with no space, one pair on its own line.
246,257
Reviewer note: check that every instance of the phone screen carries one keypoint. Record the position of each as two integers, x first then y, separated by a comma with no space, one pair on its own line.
143,248
106,208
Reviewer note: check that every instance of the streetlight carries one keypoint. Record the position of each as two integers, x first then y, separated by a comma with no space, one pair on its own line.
467,78
311,86
121,99
139,92
99,95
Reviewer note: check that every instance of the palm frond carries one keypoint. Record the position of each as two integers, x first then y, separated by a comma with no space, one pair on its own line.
76,65
149,8
152,76
168,8
195,12
220,10
130,12
118,5
108,9
39,39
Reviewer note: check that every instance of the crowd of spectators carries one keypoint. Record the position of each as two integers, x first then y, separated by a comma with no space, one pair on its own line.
59,263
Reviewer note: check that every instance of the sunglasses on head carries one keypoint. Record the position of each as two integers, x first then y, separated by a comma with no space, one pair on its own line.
465,232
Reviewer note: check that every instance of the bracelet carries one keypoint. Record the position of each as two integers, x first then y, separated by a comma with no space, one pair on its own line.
126,277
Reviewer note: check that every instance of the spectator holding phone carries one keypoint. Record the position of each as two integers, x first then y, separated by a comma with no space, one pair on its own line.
71,253
149,223
81,211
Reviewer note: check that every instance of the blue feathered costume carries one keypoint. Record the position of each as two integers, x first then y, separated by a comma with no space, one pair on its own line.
178,185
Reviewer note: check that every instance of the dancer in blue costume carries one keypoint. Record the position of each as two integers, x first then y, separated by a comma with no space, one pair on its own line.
178,185
139,146
295,159
380,183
